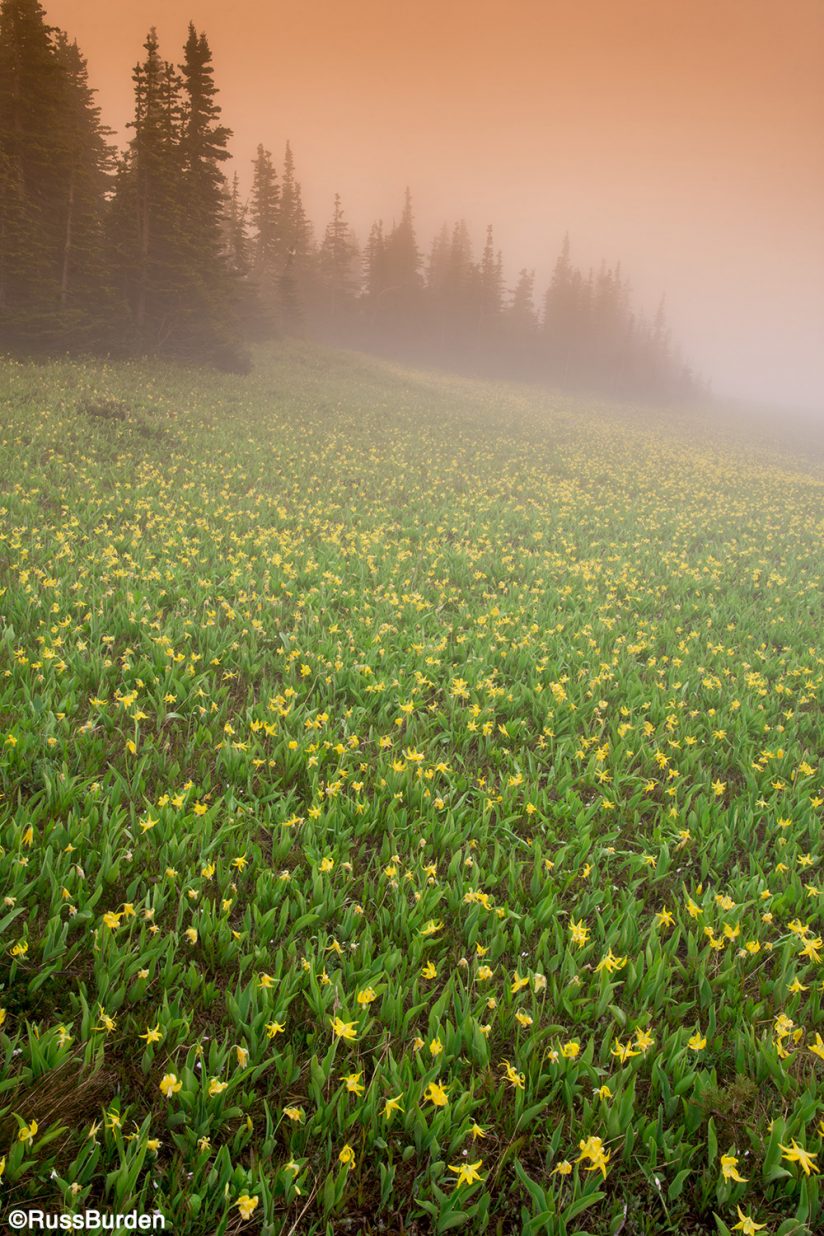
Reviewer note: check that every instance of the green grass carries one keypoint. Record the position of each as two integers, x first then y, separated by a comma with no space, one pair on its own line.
340,692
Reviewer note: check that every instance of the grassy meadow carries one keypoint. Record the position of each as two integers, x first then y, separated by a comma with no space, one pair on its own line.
411,805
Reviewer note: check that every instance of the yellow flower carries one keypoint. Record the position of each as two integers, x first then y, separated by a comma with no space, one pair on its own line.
435,1047
344,1029
390,1106
818,1046
27,1132
429,971
247,1205
512,1075
797,1154
476,1131
562,1169
467,1173
593,1150
611,963
729,1169
191,935
353,1083
170,1085
571,1049
152,1035
295,1113
216,1086
624,1051
747,1225
273,1028
242,1054
347,1156
366,996
697,1042
436,1094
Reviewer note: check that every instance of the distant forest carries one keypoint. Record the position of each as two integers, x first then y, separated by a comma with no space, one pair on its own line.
153,250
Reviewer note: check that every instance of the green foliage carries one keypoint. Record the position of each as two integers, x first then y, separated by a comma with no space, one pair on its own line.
410,806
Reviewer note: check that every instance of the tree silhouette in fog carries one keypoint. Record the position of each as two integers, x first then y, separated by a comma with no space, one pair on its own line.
158,252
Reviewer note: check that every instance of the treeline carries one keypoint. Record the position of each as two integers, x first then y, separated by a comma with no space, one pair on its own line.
153,250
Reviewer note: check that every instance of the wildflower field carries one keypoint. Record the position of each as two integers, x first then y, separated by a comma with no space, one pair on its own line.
411,807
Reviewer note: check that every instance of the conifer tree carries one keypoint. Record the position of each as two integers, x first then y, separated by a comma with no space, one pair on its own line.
89,160
234,235
401,297
295,283
374,268
32,165
203,148
53,162
491,281
337,264
264,216
147,218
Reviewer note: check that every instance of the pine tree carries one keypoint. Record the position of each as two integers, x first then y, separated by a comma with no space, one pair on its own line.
295,282
33,165
337,264
166,218
374,266
234,235
53,162
147,219
401,297
521,312
203,148
491,282
264,216
84,287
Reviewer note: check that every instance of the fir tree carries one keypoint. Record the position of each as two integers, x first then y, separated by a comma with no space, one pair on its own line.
337,263
264,216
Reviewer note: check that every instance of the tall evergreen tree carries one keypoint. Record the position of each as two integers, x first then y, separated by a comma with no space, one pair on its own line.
234,234
401,297
32,164
203,147
337,264
521,312
204,144
375,280
264,216
167,210
53,162
147,218
491,282
83,277
295,281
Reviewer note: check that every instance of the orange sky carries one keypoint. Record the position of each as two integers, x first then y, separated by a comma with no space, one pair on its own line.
685,137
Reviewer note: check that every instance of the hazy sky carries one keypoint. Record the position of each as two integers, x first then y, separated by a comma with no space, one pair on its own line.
683,137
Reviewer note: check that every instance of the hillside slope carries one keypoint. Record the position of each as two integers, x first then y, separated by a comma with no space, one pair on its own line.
411,806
